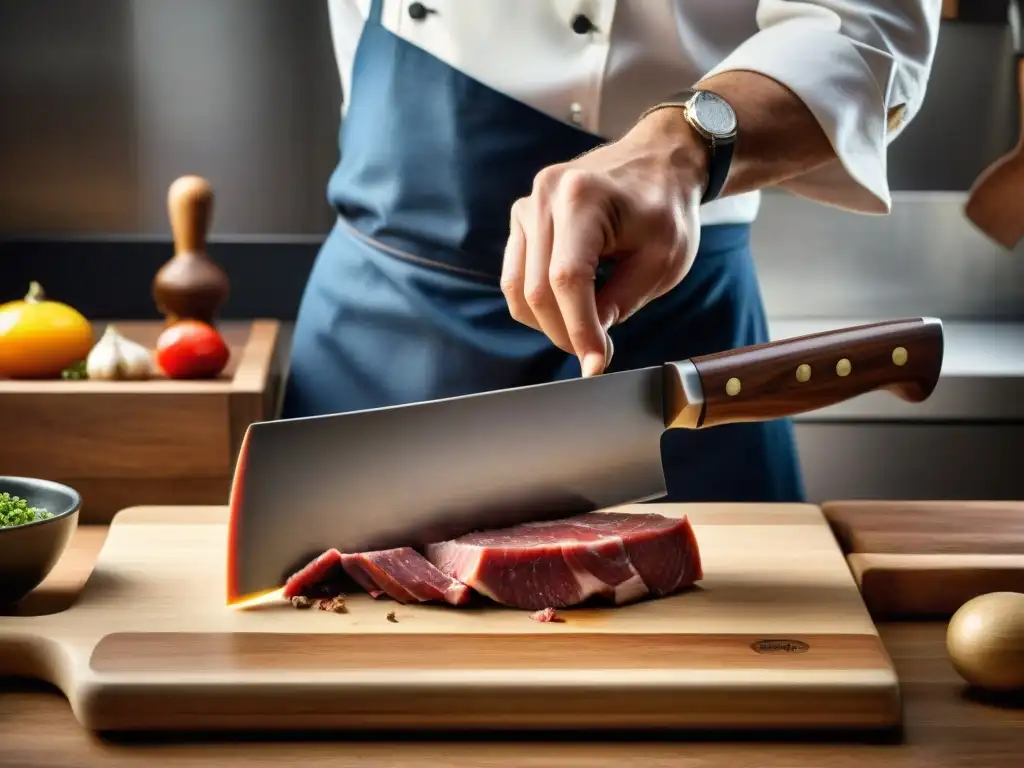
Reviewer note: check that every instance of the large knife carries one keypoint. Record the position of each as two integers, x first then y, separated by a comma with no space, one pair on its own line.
412,474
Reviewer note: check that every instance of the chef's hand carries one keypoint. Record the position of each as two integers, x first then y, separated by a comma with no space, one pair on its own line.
634,201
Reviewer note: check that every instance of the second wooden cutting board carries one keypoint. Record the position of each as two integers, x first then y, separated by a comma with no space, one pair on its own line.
927,558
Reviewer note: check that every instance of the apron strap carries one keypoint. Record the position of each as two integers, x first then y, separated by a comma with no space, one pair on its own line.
376,12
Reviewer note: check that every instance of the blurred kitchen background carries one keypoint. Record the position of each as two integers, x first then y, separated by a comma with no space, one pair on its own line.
104,102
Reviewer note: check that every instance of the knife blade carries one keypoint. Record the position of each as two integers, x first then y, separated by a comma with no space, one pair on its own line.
412,474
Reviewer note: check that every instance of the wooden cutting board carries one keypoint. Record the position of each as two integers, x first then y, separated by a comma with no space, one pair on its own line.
776,636
917,559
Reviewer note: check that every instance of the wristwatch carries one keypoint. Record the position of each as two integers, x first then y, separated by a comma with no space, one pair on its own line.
715,121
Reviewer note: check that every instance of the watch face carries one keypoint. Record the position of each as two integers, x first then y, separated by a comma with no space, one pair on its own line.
714,114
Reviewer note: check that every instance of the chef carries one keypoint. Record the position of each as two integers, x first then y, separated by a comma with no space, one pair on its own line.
536,190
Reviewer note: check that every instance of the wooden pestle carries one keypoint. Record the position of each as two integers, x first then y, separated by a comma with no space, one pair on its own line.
191,286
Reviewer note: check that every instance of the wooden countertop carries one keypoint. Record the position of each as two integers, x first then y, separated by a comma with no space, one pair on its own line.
943,726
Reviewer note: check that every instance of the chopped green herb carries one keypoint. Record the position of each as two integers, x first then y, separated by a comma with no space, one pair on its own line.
75,372
14,510
391,618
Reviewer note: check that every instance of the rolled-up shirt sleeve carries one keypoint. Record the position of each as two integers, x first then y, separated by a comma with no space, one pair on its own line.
861,68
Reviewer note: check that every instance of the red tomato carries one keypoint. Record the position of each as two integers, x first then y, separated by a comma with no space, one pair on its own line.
190,349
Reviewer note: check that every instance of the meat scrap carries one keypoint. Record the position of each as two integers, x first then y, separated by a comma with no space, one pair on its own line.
620,557
546,615
334,604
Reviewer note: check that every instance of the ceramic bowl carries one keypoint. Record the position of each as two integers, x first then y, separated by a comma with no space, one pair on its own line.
29,552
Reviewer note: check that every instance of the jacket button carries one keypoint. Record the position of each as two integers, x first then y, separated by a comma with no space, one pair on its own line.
581,25
418,11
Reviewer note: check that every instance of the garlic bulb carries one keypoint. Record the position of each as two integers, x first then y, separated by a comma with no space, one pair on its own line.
115,357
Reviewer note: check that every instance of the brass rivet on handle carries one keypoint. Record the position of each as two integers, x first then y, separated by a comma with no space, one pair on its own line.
843,367
732,387
899,356
803,372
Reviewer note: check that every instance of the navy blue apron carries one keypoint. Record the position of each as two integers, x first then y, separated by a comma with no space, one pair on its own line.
403,303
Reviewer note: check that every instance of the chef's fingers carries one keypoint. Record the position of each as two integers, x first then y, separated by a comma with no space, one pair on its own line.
579,240
513,268
636,281
540,297
680,263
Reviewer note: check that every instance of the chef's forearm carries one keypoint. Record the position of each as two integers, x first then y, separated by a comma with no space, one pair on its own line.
777,136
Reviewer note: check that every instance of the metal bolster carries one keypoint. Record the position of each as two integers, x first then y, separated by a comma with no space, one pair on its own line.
683,396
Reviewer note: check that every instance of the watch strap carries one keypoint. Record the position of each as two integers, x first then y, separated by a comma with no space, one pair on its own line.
718,168
721,152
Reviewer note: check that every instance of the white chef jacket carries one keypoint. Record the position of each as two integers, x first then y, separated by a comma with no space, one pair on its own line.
860,66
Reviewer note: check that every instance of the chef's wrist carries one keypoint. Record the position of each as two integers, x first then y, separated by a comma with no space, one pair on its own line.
686,152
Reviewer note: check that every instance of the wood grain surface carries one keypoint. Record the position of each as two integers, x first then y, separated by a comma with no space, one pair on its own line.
927,558
120,443
791,376
767,640
213,651
928,527
945,725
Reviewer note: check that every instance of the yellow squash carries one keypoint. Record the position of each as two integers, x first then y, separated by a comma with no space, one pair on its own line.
39,338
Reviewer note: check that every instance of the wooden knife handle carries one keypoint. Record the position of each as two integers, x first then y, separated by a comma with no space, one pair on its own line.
792,376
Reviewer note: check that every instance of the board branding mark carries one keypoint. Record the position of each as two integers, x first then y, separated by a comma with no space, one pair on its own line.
780,645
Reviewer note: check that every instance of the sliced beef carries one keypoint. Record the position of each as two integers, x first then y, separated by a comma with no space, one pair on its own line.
663,550
403,574
354,568
304,583
618,556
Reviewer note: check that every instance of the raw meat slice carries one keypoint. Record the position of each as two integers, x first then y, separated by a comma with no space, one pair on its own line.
545,615
353,567
404,575
662,549
619,556
309,576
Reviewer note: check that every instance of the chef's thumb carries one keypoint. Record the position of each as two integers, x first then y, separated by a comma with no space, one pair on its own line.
593,364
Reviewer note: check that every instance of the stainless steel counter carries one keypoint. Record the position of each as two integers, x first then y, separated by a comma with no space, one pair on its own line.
965,442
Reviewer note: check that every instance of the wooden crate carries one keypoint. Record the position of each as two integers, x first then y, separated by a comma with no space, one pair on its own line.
126,443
